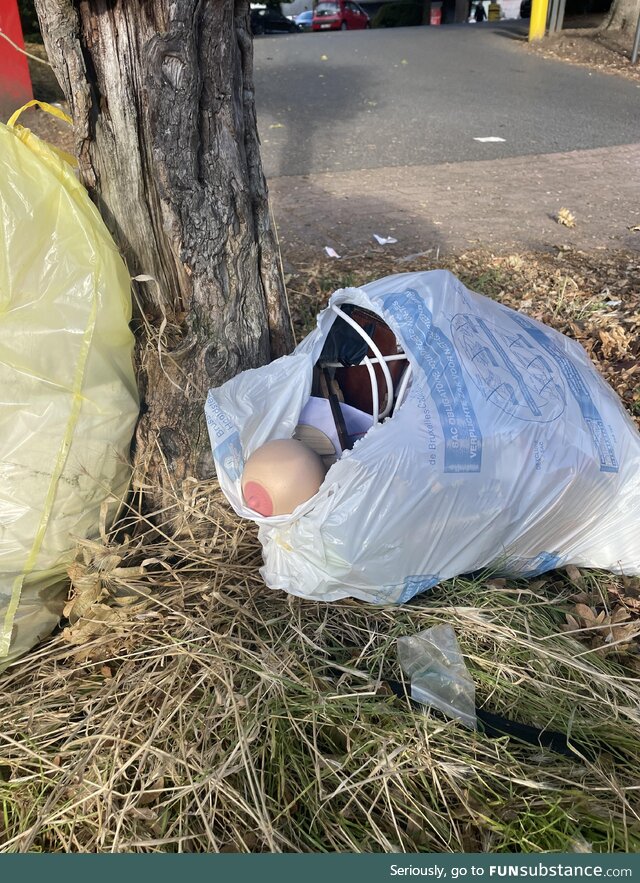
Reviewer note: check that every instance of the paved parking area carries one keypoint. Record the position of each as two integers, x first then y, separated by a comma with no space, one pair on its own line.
497,205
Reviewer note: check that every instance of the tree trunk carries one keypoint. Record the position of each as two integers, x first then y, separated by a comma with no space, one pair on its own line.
162,98
623,15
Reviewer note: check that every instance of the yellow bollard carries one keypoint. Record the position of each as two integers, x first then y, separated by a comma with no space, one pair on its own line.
538,20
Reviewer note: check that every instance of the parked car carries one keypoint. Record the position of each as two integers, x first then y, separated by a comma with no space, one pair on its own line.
304,20
339,15
267,20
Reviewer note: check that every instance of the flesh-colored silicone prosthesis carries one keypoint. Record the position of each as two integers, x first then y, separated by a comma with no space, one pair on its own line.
281,475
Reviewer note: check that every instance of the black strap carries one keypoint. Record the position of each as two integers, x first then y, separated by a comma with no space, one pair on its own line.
495,726
328,375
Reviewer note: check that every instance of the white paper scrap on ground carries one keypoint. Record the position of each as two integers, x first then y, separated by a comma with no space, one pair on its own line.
331,252
489,138
384,240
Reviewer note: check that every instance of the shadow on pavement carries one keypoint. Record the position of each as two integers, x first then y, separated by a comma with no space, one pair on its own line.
447,207
309,216
312,211
326,94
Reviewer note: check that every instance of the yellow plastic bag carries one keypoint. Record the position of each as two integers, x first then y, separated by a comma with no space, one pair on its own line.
68,397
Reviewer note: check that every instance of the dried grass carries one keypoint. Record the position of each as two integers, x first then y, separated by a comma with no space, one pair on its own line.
185,707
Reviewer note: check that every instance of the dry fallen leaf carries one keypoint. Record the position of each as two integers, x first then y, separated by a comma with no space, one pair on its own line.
586,614
574,575
608,631
621,634
565,218
152,793
615,341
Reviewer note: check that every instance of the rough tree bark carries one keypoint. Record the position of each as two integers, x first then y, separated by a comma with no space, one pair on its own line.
161,94
623,15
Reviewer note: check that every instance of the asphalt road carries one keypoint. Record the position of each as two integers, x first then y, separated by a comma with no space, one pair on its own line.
420,96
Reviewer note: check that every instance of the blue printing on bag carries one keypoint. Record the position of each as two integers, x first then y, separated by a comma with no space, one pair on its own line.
228,455
411,586
531,567
225,439
510,370
414,585
436,355
590,414
218,421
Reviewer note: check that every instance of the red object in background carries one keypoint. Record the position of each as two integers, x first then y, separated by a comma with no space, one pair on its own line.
435,17
15,80
339,15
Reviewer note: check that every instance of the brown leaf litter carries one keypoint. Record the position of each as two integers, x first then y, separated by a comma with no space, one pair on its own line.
605,51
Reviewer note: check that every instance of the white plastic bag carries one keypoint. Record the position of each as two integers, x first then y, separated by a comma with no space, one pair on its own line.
509,450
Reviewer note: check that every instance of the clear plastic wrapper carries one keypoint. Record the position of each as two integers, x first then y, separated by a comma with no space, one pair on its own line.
439,678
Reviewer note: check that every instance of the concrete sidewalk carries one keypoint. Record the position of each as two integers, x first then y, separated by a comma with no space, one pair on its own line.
499,205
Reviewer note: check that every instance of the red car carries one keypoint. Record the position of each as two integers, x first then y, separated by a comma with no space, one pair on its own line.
339,15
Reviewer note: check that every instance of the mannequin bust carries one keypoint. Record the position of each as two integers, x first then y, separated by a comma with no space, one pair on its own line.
280,475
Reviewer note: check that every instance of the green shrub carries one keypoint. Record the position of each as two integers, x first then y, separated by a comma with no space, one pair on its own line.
398,15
